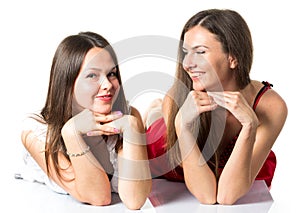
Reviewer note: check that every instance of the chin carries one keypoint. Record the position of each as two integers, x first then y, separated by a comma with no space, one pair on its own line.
198,87
103,110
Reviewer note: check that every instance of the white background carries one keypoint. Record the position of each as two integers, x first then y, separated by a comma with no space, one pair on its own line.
31,31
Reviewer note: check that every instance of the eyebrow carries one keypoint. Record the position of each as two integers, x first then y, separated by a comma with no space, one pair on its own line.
93,68
195,47
98,69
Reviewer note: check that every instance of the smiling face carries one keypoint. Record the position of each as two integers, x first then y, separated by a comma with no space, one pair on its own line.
205,61
96,86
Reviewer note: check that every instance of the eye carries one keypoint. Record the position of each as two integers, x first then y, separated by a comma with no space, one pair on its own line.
200,52
112,75
91,75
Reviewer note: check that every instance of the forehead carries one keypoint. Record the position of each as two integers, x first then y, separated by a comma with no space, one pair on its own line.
199,36
98,58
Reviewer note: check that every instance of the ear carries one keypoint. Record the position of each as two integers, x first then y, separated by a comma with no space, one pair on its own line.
232,62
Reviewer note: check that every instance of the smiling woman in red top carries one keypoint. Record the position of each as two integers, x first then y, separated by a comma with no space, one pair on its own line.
218,125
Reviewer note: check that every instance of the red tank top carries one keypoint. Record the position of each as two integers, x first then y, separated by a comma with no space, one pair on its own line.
157,155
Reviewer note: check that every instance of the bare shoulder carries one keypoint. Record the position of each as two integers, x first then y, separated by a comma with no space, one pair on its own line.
33,135
135,112
166,103
33,124
272,108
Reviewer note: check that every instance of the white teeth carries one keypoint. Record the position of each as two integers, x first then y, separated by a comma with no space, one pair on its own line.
103,95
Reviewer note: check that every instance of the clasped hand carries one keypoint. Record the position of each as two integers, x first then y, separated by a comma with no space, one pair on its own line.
198,102
92,124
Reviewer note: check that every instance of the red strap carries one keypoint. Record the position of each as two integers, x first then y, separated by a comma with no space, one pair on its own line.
265,88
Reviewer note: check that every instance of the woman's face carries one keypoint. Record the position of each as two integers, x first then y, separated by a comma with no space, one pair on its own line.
205,61
96,86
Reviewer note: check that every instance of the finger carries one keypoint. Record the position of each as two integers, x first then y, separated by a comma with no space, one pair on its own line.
220,100
207,108
112,113
107,129
103,130
98,133
201,98
227,101
216,94
202,95
205,102
204,105
107,118
227,95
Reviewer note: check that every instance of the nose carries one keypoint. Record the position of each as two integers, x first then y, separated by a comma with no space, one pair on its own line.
189,62
105,84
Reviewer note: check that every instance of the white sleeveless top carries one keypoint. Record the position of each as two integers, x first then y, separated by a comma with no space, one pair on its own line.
31,171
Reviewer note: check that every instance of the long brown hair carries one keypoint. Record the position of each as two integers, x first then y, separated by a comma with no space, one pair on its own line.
66,65
233,33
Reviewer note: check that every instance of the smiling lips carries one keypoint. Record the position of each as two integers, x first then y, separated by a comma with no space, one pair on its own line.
196,75
105,98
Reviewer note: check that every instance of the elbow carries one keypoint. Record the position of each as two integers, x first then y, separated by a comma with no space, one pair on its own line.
227,200
101,201
204,196
133,201
231,196
134,197
134,204
228,197
207,200
95,200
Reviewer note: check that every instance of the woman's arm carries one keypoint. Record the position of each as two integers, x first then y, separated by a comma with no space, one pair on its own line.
236,178
258,134
79,181
134,173
199,178
82,176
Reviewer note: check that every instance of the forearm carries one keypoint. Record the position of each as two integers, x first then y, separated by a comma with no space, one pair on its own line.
237,178
90,183
199,178
134,192
134,171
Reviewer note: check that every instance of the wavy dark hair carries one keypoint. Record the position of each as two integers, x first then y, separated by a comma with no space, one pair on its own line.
232,31
57,110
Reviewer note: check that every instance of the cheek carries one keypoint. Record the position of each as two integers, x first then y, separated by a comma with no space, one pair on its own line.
222,70
85,92
115,83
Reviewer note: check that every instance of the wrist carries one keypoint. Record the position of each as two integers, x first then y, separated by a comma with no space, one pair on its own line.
180,126
69,129
252,125
249,131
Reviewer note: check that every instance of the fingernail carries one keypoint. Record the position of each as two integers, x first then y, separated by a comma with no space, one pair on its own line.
119,113
116,130
88,133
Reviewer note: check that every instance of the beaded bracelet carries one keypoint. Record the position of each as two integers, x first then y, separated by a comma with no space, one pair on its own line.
79,154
